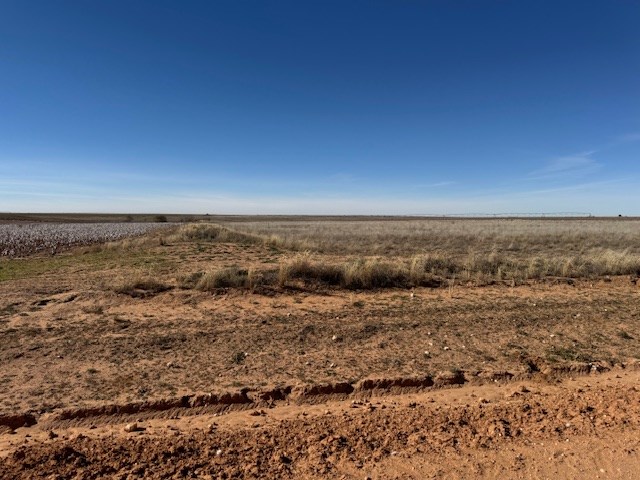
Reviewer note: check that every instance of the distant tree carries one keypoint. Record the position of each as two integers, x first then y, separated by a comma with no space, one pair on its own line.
160,218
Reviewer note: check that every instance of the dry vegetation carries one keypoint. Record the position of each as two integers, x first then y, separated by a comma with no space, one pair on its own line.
360,254
292,349
405,237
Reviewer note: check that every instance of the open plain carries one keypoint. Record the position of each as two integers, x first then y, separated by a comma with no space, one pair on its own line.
326,348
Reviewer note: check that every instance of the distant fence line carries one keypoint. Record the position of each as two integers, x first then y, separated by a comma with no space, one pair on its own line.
505,215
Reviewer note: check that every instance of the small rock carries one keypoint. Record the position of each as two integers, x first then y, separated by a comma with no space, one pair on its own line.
51,434
218,452
132,427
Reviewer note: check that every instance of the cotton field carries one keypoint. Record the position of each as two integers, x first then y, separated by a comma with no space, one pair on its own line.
24,239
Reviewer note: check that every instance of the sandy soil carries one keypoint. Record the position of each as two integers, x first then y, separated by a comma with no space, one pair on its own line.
580,428
534,381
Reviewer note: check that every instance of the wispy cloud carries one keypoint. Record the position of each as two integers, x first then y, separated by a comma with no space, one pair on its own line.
598,197
571,166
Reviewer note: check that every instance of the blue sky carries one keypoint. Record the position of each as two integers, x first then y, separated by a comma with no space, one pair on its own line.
347,107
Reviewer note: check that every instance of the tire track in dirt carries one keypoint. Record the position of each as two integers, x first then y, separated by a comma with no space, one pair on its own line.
398,436
312,394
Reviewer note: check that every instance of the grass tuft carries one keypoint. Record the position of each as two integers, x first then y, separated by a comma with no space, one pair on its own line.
223,278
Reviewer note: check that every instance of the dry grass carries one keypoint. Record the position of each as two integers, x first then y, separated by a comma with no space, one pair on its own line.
231,277
452,237
208,232
347,254
303,267
223,278
470,249
358,273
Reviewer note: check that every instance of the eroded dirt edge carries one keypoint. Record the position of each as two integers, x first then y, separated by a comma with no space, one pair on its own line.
245,398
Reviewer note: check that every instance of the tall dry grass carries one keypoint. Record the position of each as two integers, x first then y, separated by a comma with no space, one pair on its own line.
210,232
398,253
399,237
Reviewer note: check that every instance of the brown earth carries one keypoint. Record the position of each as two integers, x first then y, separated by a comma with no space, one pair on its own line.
310,383
581,428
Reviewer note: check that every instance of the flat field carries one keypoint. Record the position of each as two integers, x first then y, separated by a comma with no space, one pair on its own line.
326,348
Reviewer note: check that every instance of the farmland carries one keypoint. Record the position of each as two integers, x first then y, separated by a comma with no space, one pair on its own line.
20,239
324,348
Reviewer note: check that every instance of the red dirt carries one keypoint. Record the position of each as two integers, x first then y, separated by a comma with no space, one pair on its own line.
581,428
435,383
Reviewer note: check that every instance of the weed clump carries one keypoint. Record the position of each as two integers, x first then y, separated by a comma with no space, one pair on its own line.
302,267
223,278
358,274
374,273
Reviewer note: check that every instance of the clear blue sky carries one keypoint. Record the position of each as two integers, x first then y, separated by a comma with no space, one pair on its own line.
374,107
